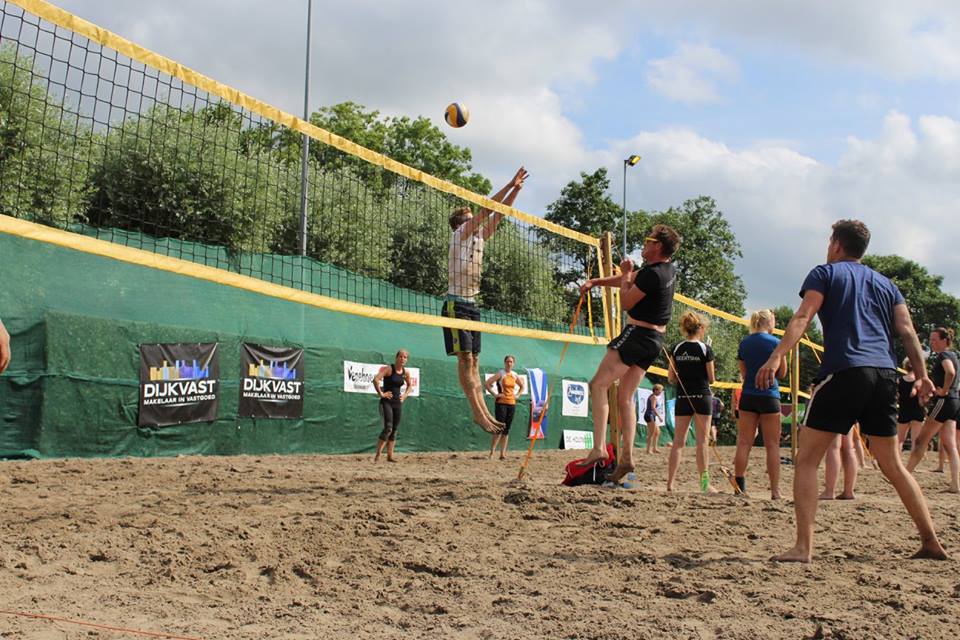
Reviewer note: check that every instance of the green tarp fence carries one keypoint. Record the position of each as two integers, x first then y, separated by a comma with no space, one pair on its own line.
77,321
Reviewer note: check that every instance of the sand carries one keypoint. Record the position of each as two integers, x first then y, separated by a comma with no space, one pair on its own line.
443,545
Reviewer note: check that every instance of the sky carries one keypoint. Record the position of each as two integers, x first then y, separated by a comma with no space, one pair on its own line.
790,115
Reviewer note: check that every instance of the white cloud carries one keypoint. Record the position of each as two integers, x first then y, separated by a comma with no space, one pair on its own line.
692,74
904,184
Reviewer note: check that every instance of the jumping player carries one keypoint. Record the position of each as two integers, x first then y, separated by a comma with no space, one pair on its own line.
465,264
647,296
946,405
859,310
388,383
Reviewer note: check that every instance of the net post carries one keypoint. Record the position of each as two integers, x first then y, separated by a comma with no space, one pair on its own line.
795,396
611,319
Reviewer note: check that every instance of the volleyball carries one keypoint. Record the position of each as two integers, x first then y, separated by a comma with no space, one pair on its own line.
456,115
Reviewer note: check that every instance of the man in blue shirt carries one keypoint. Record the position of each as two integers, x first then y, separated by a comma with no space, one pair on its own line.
859,310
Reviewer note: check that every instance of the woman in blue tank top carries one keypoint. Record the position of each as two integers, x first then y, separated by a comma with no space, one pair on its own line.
759,407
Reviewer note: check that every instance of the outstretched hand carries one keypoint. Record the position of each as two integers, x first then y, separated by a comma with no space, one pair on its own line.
586,286
517,181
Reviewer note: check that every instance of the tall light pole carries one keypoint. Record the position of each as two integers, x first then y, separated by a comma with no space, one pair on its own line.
306,139
628,162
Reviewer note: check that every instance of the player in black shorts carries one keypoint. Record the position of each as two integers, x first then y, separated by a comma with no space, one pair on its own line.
388,382
692,371
860,311
942,417
647,296
910,413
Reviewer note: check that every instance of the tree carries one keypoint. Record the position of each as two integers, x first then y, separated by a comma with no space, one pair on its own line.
929,304
44,150
705,261
583,206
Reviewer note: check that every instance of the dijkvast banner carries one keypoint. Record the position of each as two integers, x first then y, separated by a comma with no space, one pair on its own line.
178,383
271,382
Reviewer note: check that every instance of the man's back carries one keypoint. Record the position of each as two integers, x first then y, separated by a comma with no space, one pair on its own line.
856,315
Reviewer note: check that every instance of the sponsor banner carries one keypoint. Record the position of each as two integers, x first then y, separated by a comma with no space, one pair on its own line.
358,378
178,383
522,376
271,382
642,396
577,439
538,402
576,398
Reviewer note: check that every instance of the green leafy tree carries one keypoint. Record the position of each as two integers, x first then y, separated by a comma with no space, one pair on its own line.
706,260
583,206
181,175
44,151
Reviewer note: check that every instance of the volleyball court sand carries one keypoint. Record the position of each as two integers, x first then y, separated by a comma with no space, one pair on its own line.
443,546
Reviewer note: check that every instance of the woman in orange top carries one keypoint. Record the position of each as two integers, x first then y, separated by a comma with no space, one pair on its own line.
509,386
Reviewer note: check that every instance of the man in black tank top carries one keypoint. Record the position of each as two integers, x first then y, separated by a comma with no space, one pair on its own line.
647,295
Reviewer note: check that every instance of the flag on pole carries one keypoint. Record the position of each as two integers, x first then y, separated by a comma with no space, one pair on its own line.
538,403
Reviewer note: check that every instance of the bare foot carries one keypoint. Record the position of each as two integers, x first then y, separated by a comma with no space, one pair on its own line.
711,489
592,458
826,496
940,470
846,496
935,553
503,457
656,450
489,427
775,496
391,459
669,488
620,472
376,459
794,555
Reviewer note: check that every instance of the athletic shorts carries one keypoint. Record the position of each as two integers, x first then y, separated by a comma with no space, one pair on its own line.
504,413
701,405
910,414
867,395
460,340
637,346
759,404
944,409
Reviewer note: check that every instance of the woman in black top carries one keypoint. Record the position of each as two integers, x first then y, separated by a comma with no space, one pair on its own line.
647,295
942,414
388,382
691,369
910,414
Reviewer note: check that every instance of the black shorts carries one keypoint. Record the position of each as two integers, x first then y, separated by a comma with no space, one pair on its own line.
867,395
637,346
650,417
944,409
504,413
460,340
910,414
701,405
759,404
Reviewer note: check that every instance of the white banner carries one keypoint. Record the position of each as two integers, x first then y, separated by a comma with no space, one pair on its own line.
522,376
358,378
642,396
577,439
576,398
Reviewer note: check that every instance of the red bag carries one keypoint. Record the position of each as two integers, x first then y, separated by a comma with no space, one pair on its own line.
592,474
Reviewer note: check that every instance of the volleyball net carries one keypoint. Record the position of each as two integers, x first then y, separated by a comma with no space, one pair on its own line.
106,139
